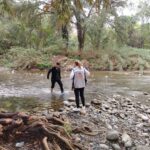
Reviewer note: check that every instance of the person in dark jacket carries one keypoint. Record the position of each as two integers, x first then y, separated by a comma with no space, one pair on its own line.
55,76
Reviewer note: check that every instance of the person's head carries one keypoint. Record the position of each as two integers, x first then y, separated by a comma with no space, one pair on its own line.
77,63
57,64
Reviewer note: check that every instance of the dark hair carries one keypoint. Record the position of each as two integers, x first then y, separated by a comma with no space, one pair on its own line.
58,63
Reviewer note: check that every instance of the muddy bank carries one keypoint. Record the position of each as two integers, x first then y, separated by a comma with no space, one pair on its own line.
110,123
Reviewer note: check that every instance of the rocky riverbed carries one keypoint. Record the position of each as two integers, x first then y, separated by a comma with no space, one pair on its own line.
120,123
107,123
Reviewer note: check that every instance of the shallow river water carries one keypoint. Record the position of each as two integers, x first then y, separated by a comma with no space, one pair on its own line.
30,91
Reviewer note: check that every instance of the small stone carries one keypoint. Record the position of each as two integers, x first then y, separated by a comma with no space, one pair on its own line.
104,147
19,144
140,125
71,99
109,126
82,111
145,93
145,134
116,147
140,147
122,116
143,117
126,139
87,104
148,111
96,102
66,103
112,135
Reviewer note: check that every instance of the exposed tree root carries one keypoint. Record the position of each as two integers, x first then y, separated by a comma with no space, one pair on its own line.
45,144
2,148
85,130
50,132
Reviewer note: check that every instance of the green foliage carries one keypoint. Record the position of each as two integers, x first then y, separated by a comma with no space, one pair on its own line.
67,127
22,58
30,36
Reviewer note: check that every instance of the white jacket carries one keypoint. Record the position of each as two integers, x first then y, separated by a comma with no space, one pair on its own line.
78,76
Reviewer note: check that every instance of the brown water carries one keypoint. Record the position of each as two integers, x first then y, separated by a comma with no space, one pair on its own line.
27,91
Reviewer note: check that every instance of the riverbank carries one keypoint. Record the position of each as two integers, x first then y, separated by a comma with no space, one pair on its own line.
119,59
107,123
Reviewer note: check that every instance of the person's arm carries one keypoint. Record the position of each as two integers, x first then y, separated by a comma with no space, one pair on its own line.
71,74
48,73
60,73
87,73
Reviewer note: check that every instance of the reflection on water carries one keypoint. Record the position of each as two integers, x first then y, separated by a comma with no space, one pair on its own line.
26,91
57,101
19,103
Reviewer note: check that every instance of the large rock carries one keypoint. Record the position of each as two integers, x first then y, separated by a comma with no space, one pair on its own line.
112,135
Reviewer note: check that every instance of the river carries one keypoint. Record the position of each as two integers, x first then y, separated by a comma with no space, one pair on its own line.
30,91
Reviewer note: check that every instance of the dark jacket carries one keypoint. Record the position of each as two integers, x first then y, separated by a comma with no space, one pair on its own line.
55,73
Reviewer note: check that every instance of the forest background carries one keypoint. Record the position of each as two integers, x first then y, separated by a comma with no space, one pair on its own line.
110,35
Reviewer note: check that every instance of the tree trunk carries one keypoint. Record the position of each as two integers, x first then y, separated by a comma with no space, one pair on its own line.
65,36
81,36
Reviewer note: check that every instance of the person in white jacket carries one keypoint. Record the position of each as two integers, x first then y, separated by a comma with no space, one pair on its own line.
78,76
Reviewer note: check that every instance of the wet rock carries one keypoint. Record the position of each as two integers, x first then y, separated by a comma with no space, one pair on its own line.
104,147
142,148
112,135
116,147
126,139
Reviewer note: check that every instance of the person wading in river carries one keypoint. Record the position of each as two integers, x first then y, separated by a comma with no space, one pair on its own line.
55,76
78,76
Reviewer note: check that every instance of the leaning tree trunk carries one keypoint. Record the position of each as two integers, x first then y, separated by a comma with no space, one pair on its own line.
65,36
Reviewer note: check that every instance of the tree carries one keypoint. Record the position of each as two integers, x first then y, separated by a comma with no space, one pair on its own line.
78,9
143,15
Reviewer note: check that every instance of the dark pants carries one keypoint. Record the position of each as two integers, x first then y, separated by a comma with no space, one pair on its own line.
79,93
59,83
